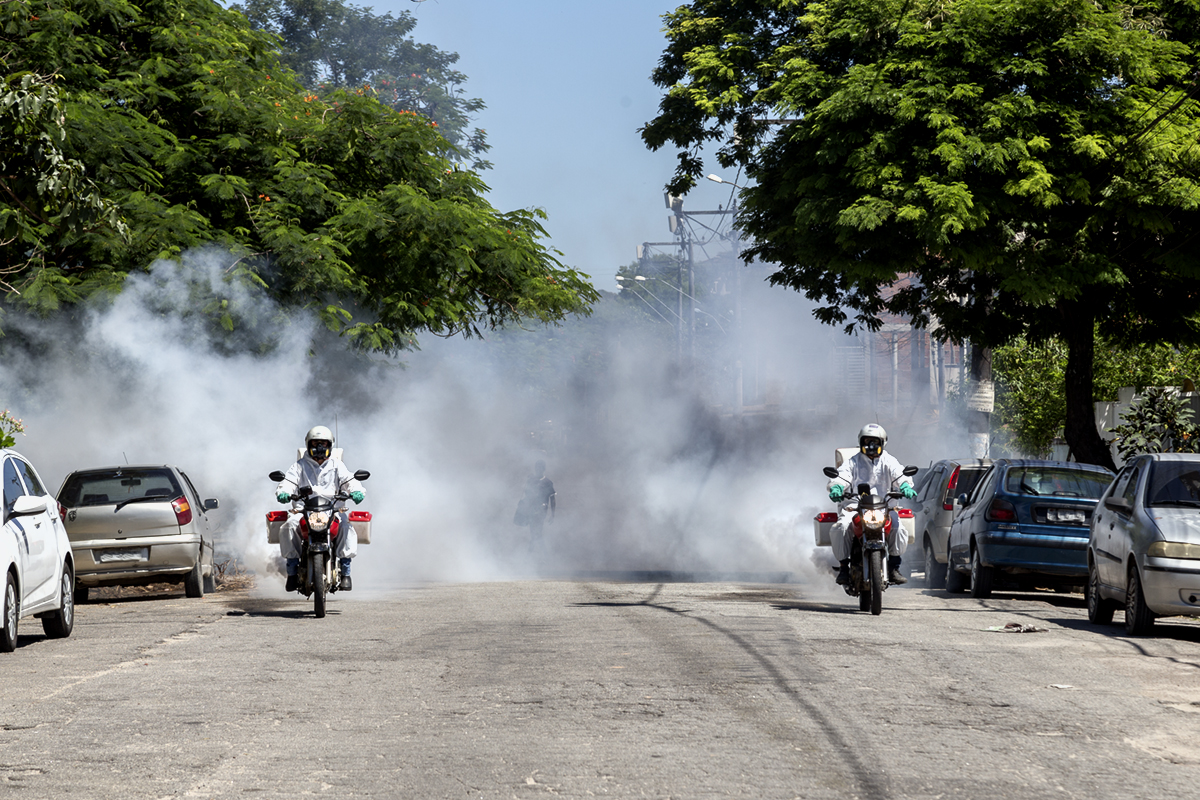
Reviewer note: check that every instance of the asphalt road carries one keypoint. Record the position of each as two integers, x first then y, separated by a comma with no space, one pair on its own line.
581,689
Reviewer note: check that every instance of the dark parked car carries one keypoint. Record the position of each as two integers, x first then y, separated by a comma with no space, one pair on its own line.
1144,553
135,525
1026,524
934,509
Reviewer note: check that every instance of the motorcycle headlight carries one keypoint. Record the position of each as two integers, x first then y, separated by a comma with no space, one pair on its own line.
874,516
318,520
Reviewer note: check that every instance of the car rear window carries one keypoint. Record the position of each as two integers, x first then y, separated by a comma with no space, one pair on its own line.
1174,483
108,487
968,479
1056,482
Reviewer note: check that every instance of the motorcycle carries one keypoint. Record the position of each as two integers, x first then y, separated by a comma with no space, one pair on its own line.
870,526
320,526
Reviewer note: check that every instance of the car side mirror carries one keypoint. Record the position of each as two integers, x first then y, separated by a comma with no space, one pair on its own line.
27,504
276,476
962,500
361,475
210,504
1117,504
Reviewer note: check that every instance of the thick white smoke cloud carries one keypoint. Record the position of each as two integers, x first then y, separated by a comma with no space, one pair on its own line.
650,477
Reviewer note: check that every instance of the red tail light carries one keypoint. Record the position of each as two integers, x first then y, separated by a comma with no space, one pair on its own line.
824,516
948,500
62,512
904,513
183,512
1001,511
276,516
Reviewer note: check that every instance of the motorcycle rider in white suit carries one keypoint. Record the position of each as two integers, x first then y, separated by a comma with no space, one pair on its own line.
880,470
327,476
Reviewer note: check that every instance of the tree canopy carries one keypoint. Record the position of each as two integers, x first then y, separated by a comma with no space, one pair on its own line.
173,124
334,45
1032,163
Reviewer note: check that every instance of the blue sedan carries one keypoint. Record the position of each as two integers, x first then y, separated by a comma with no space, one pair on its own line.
1026,523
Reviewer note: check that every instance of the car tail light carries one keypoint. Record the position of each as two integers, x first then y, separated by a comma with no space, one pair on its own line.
1001,511
948,500
183,512
827,516
62,512
904,513
276,516
360,516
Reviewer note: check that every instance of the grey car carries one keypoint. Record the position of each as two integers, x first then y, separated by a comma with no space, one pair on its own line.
137,525
1144,549
934,509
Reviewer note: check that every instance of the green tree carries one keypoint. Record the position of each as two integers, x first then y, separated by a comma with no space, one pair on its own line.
334,45
1159,421
1031,162
1030,398
185,119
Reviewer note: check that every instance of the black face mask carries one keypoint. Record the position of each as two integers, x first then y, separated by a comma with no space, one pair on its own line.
871,447
319,450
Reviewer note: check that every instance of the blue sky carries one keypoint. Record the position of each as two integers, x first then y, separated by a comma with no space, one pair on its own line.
567,84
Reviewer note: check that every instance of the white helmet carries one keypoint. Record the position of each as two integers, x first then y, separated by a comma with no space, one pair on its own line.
319,443
871,440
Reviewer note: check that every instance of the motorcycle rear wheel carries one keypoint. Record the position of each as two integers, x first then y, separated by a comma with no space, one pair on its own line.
319,587
876,582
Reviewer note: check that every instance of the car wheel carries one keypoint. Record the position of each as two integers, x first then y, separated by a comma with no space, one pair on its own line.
1139,618
58,624
12,611
1100,609
981,576
935,573
193,584
956,582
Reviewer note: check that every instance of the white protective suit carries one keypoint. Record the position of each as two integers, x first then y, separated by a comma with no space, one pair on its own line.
325,480
881,474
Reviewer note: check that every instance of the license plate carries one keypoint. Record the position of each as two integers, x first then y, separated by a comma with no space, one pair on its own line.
124,554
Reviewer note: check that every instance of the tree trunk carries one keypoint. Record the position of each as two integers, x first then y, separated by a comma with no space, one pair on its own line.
980,402
1085,441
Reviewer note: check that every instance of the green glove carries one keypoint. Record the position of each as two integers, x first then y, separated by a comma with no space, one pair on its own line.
836,492
908,491
283,497
357,497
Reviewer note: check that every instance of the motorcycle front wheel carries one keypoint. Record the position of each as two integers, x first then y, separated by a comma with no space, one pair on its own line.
319,587
876,582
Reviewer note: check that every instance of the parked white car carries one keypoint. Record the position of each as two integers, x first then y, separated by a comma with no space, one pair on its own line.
39,567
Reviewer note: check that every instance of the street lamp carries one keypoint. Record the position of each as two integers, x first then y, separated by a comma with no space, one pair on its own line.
718,179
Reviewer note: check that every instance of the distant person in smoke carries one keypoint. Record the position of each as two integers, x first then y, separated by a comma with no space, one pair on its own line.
880,470
326,475
539,497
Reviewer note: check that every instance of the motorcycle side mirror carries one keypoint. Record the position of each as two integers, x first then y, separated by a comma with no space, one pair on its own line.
830,472
910,470
276,476
361,475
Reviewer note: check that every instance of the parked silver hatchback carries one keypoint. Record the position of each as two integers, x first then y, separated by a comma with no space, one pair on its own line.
137,525
934,511
1144,548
